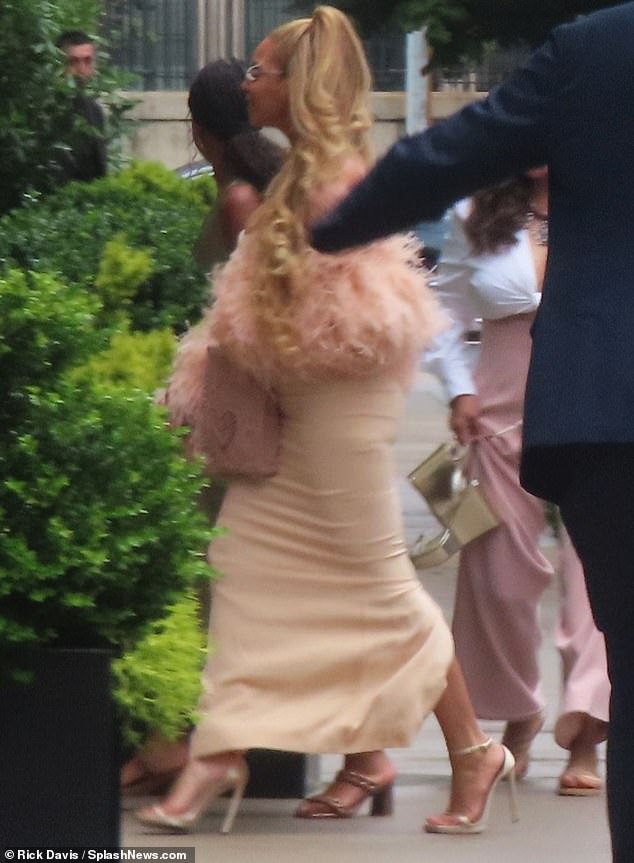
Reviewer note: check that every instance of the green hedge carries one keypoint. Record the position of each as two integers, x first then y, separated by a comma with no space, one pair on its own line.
132,361
38,120
99,527
44,330
125,239
158,683
99,524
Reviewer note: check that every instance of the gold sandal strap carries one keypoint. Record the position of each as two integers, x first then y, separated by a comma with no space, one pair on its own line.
351,777
333,803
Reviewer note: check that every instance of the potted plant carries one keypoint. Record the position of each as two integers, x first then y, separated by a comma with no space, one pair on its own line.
99,533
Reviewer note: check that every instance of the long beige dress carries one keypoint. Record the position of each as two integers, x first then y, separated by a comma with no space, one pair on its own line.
323,638
326,641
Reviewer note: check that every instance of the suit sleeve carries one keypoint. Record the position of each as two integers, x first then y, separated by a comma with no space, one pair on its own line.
421,175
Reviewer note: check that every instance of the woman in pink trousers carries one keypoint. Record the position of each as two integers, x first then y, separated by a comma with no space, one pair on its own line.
493,269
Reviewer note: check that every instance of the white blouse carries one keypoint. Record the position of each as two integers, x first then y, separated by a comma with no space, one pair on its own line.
488,286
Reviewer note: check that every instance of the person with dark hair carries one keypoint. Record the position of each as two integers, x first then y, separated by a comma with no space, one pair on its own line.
493,270
244,160
79,48
568,107
86,158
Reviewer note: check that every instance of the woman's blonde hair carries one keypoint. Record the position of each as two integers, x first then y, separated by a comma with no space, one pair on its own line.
328,89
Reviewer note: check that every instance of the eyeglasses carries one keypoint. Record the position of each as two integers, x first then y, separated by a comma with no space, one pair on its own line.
256,71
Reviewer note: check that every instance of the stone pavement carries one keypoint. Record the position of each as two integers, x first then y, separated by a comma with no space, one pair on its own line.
551,829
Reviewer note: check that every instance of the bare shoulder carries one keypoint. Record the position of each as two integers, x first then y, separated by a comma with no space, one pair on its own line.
240,195
238,202
353,169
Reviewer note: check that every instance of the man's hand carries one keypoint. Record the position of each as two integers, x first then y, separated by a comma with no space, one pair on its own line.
465,412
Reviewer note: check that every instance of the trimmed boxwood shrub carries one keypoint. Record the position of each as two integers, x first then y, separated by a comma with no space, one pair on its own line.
125,239
133,361
38,120
158,683
45,329
99,527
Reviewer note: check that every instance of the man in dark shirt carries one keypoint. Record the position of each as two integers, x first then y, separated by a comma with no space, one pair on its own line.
86,159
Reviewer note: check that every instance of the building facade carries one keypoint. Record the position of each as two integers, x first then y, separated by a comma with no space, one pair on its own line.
163,43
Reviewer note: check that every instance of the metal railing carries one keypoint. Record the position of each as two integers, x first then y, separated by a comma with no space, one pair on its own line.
479,77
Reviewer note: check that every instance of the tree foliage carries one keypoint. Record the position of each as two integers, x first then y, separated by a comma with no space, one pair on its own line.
158,682
125,239
37,115
461,28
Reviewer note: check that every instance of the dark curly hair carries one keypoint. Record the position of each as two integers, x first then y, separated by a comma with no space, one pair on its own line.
497,214
217,104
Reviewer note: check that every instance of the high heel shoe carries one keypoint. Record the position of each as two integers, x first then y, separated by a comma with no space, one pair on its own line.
462,824
234,779
518,737
326,805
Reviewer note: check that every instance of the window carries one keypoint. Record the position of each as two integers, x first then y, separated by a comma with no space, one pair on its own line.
154,40
157,41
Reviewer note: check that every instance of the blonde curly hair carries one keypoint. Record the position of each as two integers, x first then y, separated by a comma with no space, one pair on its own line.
328,89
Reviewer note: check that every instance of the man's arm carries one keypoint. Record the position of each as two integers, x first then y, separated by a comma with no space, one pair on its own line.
420,176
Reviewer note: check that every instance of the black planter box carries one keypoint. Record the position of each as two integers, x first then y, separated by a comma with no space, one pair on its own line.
59,755
280,774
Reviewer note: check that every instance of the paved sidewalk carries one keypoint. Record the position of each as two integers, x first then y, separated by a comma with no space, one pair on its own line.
551,829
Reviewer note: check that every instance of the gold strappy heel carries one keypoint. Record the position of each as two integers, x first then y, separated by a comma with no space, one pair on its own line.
326,805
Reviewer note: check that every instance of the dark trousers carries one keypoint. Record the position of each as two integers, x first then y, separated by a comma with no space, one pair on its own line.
597,507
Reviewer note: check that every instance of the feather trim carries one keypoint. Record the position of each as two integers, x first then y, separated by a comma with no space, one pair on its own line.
185,385
364,310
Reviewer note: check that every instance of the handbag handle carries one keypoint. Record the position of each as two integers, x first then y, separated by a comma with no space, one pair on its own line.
458,481
499,433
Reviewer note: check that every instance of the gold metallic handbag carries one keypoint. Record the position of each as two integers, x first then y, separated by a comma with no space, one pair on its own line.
458,503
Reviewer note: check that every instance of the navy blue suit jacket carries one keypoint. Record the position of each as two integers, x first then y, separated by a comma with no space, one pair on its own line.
571,107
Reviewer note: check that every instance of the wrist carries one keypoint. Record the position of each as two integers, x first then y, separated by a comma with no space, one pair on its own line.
454,401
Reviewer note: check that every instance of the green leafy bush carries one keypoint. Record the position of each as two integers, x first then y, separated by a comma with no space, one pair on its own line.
44,330
86,231
122,270
133,361
99,525
158,683
153,178
38,120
